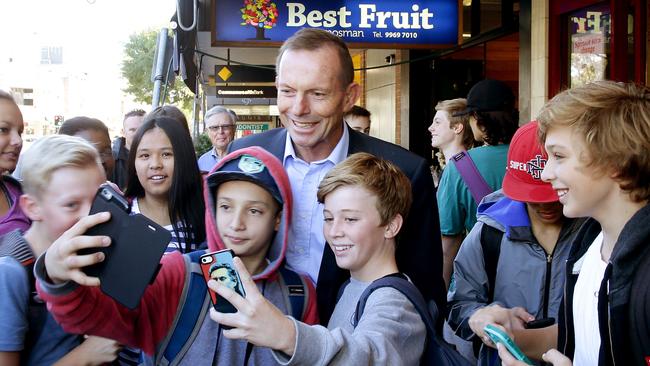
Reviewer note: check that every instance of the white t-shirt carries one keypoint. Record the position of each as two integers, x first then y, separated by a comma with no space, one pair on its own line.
585,306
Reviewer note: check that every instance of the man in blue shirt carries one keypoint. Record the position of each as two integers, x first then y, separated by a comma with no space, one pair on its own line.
315,81
221,124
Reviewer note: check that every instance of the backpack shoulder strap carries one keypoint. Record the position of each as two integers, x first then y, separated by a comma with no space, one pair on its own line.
478,187
407,289
295,290
192,309
342,289
491,245
436,351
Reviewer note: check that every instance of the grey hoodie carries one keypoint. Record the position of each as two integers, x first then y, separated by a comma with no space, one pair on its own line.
390,332
526,275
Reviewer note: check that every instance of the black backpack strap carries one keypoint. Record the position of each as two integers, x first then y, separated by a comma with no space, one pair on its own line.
407,289
436,351
341,289
296,293
491,245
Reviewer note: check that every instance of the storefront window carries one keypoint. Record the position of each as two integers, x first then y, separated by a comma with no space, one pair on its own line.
589,41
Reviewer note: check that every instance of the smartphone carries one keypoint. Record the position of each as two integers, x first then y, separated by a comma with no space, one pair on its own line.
218,266
106,200
499,336
133,258
539,323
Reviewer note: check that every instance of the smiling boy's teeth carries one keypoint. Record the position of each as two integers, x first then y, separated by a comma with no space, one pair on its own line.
341,248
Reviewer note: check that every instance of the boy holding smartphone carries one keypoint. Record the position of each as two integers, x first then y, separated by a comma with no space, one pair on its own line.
512,262
366,200
598,142
58,190
248,202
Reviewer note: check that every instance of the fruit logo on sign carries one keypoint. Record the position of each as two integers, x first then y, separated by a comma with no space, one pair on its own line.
259,14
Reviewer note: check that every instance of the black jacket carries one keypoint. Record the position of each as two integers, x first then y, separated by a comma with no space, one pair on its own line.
419,252
121,156
624,298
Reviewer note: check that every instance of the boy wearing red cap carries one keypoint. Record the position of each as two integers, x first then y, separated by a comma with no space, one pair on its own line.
524,225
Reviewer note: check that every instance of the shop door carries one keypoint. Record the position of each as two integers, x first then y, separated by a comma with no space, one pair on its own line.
596,40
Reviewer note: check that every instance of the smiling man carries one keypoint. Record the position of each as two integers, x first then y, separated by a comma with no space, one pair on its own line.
315,81
221,124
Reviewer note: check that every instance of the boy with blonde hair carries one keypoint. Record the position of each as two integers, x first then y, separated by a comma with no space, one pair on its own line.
58,191
366,200
598,143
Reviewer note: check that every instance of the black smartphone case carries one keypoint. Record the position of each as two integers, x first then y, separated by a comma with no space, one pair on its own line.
133,258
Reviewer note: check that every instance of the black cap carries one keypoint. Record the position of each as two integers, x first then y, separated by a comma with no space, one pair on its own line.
488,96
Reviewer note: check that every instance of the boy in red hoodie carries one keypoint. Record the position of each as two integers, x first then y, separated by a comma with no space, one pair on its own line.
248,202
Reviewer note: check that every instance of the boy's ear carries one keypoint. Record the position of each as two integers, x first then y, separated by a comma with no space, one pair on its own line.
458,129
30,206
278,219
393,227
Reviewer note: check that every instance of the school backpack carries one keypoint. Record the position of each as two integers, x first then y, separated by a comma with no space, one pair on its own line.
436,350
195,304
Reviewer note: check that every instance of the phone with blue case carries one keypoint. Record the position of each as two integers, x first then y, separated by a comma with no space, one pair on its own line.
499,336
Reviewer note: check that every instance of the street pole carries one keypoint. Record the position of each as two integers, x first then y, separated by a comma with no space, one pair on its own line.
159,75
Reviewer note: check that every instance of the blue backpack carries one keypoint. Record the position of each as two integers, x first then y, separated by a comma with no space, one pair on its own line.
436,350
195,303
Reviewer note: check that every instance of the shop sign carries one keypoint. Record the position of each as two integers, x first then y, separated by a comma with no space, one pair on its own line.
245,129
394,23
588,43
244,74
246,92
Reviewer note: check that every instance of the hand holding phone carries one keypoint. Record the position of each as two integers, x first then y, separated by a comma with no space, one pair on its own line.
219,266
132,259
539,323
499,336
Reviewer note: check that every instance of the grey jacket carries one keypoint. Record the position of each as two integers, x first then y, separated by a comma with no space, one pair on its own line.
526,275
390,332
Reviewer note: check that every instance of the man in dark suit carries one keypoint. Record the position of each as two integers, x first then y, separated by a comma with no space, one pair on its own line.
315,81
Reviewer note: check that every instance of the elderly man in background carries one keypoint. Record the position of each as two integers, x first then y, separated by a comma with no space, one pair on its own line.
221,124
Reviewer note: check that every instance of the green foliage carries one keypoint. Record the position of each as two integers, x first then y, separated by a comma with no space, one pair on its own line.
136,69
202,144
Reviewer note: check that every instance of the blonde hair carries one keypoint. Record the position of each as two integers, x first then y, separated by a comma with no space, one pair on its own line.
453,106
613,120
380,177
52,153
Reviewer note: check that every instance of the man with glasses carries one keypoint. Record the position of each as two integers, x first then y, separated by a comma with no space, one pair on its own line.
221,124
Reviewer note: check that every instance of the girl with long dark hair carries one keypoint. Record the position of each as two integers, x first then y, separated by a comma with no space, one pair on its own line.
165,183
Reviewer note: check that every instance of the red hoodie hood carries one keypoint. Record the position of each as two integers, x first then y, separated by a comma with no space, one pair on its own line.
278,247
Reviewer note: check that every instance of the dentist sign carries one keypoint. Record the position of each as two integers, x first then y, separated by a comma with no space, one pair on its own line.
371,24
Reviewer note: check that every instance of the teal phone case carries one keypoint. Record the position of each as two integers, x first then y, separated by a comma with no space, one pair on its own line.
499,336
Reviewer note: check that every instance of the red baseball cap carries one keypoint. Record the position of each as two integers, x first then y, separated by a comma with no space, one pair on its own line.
526,160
